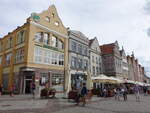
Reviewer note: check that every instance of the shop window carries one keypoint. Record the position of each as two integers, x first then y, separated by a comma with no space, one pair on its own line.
58,82
44,78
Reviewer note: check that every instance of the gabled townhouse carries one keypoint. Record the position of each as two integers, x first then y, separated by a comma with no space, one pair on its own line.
35,52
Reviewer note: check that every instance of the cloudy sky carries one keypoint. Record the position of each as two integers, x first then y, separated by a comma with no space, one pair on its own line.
127,21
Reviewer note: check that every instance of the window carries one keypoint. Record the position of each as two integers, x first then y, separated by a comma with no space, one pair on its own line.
54,41
61,59
97,70
93,70
47,19
80,63
57,23
80,48
47,57
21,37
60,44
73,46
19,55
46,38
38,37
9,42
38,55
0,59
85,51
8,58
58,82
93,59
53,15
1,46
54,58
85,64
43,78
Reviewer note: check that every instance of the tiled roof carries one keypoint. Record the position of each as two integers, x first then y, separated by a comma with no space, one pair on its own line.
107,48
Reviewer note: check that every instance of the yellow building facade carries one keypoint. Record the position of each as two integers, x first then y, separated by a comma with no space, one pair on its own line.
35,52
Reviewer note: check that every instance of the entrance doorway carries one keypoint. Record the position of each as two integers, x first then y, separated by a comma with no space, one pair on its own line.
28,86
27,83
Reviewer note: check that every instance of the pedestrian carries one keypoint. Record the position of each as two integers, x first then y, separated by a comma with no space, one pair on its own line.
115,93
1,89
12,90
125,93
78,89
137,92
118,93
145,90
84,93
104,92
33,87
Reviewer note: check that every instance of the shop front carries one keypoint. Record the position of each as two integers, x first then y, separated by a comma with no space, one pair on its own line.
41,78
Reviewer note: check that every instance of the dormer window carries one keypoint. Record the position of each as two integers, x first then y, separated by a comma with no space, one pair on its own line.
57,23
47,19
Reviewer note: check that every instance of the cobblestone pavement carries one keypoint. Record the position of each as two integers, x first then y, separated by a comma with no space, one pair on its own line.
96,105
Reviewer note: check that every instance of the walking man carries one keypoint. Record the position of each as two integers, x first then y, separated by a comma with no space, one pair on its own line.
84,93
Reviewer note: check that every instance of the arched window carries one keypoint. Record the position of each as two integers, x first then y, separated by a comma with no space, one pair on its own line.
38,37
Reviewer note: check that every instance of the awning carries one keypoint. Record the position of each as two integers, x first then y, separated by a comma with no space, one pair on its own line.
104,79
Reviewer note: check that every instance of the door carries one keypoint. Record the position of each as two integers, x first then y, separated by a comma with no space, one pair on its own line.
28,86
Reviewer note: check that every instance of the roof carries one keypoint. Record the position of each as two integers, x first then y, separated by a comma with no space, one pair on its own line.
91,41
107,48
